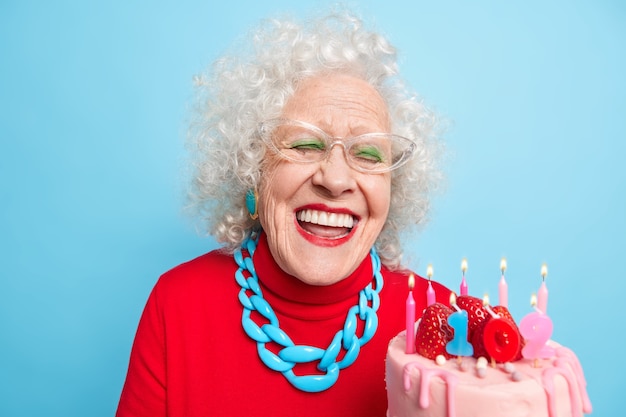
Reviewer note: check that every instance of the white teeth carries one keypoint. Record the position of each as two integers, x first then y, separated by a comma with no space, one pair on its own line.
326,219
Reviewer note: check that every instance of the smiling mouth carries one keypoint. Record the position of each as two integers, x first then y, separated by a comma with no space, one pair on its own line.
326,224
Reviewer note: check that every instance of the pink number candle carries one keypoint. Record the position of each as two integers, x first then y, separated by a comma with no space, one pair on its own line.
464,289
503,288
410,317
430,293
536,328
542,294
459,346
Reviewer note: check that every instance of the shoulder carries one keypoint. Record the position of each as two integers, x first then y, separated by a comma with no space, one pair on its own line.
395,281
215,260
210,271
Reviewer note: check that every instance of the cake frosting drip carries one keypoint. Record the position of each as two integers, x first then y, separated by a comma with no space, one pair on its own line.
425,376
556,388
567,365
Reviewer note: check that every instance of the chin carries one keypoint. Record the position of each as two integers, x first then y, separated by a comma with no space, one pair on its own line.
327,265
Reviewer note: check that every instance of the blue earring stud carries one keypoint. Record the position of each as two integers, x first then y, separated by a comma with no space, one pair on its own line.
251,200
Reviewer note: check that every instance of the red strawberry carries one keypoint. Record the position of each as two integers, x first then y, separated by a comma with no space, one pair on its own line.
503,311
434,332
477,341
476,314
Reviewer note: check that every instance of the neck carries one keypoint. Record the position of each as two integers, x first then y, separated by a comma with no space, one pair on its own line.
286,289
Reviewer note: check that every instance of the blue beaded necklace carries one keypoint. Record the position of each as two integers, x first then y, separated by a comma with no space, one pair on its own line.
292,354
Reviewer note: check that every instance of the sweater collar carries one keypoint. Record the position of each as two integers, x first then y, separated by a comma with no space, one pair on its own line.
291,296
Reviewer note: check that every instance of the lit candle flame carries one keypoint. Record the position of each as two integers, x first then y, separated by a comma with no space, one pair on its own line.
503,265
452,298
533,300
544,271
429,271
464,265
489,310
411,281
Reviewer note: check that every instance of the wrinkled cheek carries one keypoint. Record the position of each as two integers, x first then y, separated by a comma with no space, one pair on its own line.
267,208
273,215
271,202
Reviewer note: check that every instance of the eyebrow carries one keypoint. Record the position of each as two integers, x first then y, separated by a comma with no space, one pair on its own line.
355,130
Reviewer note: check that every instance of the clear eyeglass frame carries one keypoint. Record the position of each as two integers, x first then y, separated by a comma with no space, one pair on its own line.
302,142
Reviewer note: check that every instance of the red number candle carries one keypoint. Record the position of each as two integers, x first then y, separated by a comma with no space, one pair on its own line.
501,337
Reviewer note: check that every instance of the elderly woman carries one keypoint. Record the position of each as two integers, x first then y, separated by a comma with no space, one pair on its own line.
311,158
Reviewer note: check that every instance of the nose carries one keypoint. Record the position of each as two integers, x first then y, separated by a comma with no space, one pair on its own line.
334,174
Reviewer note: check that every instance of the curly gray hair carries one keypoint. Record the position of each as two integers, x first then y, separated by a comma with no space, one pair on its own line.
240,90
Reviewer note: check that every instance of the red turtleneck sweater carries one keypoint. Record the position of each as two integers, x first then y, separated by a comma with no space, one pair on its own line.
192,358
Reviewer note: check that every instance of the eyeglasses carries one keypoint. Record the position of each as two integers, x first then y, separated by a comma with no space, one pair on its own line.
371,153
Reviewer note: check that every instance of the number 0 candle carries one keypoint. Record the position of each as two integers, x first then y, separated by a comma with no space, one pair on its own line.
500,336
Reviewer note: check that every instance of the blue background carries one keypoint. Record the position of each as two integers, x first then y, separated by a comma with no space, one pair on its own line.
93,110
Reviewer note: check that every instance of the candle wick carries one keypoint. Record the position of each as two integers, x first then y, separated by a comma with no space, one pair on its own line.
491,312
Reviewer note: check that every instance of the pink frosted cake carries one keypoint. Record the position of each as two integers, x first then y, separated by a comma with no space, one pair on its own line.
433,382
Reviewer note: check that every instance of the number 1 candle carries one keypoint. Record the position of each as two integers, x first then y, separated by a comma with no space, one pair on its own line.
410,317
459,346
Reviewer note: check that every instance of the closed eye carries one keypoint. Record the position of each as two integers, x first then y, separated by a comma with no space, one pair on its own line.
307,144
369,153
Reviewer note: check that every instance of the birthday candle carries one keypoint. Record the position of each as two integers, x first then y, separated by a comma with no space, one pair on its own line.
500,336
459,346
542,294
430,293
503,288
410,317
486,306
464,289
536,328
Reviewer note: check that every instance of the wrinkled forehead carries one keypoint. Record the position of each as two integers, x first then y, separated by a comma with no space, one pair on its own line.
342,105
